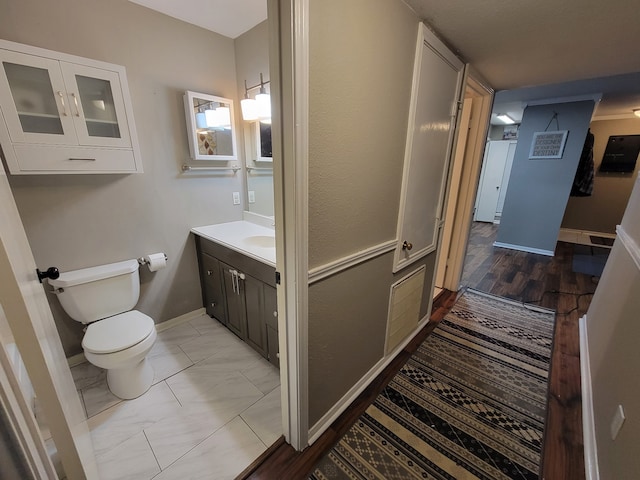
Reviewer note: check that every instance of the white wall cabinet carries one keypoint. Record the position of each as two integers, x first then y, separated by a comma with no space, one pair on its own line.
64,114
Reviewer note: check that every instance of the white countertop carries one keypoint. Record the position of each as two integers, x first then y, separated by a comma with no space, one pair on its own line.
248,238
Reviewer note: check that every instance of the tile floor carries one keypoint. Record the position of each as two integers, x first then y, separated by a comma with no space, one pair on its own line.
213,408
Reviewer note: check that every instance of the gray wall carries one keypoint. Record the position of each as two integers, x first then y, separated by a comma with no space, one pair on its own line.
613,331
360,87
538,189
84,220
603,210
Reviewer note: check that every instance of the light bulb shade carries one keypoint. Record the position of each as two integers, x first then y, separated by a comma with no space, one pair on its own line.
249,109
224,117
211,118
636,112
201,120
263,101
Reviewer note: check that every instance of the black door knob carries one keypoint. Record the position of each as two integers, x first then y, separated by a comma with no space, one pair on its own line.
51,272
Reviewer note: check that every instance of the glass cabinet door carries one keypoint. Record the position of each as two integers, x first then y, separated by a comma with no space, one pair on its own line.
97,105
37,107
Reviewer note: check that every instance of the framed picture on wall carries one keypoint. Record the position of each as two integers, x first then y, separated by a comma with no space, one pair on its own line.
548,144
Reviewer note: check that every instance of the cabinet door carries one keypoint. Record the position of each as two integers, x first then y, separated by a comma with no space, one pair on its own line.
271,319
214,300
234,295
256,325
34,100
97,106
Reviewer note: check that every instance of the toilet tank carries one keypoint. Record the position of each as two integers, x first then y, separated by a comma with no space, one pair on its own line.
98,292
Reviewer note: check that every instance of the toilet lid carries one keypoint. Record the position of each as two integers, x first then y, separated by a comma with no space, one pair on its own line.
117,333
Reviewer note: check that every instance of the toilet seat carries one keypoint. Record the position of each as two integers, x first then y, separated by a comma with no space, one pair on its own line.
117,333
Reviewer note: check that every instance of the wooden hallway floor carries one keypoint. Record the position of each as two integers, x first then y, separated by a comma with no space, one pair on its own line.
529,278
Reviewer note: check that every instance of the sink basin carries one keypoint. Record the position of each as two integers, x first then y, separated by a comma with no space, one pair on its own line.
263,241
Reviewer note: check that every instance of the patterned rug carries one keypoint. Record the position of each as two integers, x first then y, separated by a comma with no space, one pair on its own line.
469,404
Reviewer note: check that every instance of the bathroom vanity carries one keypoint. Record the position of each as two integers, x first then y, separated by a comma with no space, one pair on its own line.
237,276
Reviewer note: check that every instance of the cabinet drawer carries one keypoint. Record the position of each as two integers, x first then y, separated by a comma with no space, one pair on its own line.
65,159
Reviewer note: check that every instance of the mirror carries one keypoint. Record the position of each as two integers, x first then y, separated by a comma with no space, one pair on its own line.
210,130
259,135
259,168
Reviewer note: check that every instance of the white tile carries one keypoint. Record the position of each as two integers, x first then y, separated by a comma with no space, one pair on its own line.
206,324
167,361
204,346
232,355
177,335
86,374
174,436
221,456
263,375
131,460
214,393
129,417
265,417
98,397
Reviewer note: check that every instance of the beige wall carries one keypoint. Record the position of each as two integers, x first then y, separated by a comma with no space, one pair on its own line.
75,221
360,88
613,332
603,210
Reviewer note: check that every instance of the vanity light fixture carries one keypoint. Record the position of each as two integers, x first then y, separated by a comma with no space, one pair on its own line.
258,108
636,112
506,119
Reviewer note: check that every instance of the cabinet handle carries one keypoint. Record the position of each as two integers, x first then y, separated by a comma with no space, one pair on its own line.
64,108
83,159
242,277
213,304
209,272
75,100
275,313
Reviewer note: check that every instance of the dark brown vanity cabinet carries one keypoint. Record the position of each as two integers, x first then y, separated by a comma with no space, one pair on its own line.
240,292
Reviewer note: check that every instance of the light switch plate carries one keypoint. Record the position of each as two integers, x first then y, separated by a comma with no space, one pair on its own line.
252,196
617,422
236,198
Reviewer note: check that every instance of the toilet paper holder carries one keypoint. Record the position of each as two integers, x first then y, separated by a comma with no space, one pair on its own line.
143,261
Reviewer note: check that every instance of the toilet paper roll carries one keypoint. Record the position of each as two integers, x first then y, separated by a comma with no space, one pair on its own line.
156,261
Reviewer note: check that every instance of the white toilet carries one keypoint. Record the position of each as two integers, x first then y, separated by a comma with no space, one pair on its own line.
117,338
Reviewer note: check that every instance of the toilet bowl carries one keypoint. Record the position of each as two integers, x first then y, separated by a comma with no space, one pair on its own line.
116,338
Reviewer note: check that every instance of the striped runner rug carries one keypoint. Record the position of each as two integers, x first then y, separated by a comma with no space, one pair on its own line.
469,404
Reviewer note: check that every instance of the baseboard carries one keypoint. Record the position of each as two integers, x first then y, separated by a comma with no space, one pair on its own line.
80,358
173,322
522,248
347,399
588,420
76,360
583,237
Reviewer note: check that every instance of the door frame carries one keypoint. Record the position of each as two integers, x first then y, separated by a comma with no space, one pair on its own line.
289,74
466,180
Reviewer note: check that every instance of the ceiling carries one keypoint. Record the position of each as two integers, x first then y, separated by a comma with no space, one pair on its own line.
230,18
532,49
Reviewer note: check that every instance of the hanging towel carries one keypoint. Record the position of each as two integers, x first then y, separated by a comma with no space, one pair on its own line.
583,181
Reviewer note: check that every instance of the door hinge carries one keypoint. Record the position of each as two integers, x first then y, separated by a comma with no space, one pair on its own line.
277,278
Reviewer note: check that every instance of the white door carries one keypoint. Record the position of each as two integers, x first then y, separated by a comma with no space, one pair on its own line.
32,327
504,184
437,80
491,181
